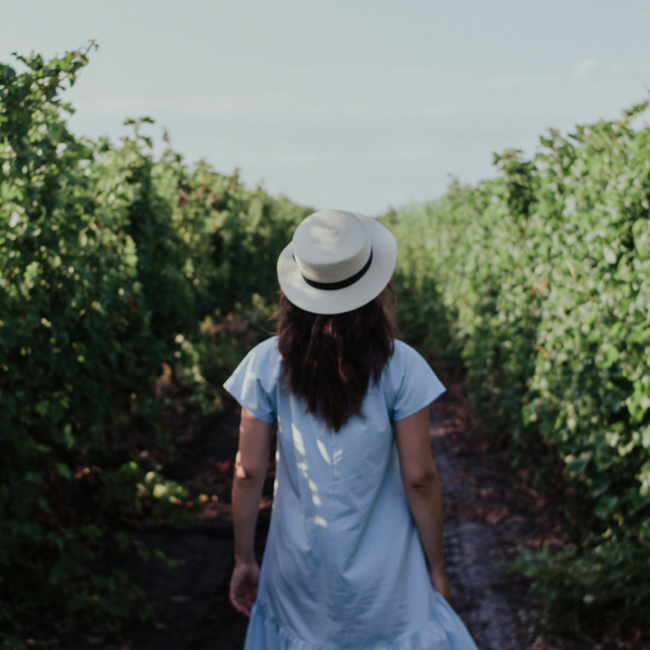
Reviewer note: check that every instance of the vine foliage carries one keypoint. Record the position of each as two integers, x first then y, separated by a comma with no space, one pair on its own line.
539,281
114,265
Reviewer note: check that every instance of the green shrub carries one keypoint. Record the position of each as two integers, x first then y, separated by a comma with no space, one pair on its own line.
604,587
542,279
113,266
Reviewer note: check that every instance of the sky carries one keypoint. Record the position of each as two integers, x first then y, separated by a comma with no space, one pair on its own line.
359,104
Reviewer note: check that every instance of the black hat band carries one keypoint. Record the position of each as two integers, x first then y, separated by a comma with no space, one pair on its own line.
341,284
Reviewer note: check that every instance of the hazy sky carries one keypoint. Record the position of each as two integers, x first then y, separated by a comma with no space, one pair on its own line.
357,105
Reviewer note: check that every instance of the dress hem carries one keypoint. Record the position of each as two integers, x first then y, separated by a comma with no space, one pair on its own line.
443,631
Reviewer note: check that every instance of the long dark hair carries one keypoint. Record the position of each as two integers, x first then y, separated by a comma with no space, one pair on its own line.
330,360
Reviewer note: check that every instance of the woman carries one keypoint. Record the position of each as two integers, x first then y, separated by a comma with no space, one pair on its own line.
354,554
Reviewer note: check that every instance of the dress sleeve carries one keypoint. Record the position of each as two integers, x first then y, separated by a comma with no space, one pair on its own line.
254,382
419,386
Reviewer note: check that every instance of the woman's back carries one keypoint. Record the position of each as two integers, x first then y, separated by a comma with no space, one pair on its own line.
343,554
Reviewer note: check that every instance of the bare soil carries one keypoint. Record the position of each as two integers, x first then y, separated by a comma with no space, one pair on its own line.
490,513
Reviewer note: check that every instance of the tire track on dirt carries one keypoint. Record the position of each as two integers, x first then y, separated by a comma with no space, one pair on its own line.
485,595
490,514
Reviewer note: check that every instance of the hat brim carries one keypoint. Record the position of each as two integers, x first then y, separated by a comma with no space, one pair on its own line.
339,301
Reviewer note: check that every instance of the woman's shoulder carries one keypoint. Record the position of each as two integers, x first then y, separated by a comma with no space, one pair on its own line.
403,348
401,362
254,381
261,361
265,355
409,384
404,354
268,347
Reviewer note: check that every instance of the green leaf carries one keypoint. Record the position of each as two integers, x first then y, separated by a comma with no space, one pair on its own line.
42,407
606,506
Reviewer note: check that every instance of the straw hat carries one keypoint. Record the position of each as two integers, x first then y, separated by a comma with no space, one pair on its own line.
338,261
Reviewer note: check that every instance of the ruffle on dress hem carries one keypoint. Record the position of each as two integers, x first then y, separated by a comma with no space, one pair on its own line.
444,631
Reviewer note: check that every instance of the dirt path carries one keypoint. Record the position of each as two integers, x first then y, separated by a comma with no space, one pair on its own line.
191,600
483,523
487,598
488,512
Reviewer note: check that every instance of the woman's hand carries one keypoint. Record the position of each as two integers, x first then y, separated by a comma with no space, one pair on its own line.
243,587
441,584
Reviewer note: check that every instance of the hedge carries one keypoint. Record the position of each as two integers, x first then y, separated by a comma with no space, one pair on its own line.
539,282
115,267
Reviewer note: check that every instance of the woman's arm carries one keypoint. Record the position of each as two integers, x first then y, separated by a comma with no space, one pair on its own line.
250,471
423,491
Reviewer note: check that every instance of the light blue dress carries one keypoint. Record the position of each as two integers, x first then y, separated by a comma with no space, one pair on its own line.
343,565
